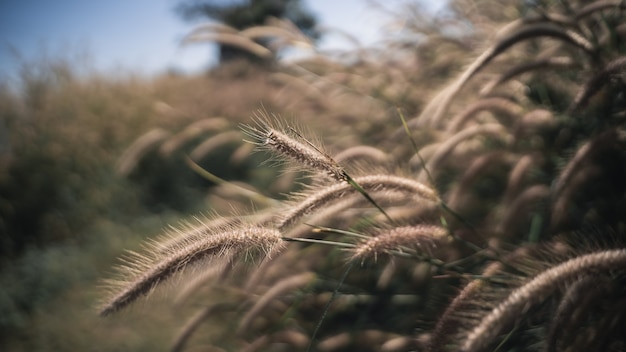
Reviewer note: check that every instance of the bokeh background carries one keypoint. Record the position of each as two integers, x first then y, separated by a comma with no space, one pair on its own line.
104,104
79,83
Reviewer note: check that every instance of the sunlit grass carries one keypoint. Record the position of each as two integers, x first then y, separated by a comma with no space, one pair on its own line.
504,164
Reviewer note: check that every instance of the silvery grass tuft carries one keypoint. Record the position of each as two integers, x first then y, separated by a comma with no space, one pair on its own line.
143,272
287,143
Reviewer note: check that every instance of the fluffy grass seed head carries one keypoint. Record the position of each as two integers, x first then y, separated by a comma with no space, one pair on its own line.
328,195
422,238
289,144
139,149
143,272
535,291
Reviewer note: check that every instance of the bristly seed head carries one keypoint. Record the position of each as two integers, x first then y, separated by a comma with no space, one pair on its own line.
423,238
144,272
370,183
296,148
535,291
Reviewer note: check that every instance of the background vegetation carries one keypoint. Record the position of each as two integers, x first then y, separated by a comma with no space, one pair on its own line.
91,165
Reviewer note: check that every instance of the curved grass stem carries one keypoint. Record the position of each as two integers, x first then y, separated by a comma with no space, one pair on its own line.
346,177
255,196
444,206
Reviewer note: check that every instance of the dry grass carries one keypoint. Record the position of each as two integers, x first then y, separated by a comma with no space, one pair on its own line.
484,183
480,226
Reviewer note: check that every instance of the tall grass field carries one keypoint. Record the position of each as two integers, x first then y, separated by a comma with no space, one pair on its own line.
459,187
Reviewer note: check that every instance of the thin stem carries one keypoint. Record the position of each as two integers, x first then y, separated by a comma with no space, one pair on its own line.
346,176
330,301
444,206
360,189
415,147
476,248
337,231
312,240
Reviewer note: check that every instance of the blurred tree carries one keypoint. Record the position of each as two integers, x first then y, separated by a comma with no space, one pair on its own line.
247,13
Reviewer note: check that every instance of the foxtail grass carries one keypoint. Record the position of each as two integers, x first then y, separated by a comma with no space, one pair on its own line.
524,156
597,6
497,106
287,284
592,87
451,319
522,204
192,325
584,156
363,153
232,39
143,272
577,298
194,130
535,291
142,146
292,147
493,130
371,183
435,112
517,176
296,340
213,143
301,150
420,238
480,166
284,36
562,62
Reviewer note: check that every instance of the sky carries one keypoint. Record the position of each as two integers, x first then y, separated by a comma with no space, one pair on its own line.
141,36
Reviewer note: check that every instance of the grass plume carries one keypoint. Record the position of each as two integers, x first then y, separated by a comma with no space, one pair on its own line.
535,291
292,147
371,183
523,148
421,238
144,271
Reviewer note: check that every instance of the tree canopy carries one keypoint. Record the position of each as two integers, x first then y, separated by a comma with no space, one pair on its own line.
245,14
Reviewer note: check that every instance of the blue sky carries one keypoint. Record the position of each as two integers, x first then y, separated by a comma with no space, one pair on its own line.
138,35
